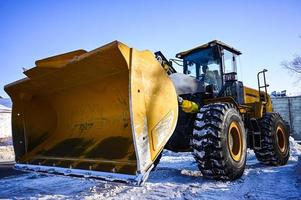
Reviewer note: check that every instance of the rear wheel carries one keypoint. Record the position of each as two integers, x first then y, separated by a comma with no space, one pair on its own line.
274,148
219,142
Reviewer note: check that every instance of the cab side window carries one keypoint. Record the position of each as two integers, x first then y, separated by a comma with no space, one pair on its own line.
229,61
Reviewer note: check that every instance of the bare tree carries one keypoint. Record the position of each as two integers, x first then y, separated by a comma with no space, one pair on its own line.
293,65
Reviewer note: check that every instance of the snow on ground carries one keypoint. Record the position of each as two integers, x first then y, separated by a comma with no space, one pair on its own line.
176,177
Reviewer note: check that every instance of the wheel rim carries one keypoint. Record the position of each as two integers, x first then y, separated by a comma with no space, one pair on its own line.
281,139
235,141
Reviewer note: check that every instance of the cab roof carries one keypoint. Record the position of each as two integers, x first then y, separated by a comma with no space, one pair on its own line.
207,45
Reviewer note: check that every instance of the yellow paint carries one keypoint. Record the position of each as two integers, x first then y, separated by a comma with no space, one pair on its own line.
235,143
88,110
252,104
281,139
189,106
59,60
252,99
153,98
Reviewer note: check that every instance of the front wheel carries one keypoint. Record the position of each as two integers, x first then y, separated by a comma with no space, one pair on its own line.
219,141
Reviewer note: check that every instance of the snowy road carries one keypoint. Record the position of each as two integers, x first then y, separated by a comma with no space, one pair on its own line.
176,177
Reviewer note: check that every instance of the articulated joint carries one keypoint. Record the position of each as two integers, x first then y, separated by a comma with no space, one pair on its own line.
188,106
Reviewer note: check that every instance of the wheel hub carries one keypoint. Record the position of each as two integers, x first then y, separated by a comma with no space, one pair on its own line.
235,141
281,139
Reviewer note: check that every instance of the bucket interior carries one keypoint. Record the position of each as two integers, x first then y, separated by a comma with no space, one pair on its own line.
77,116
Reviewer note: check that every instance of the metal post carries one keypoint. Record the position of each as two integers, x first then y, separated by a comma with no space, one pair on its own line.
290,115
265,86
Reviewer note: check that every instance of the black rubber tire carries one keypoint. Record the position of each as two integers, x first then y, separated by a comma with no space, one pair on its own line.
210,142
270,153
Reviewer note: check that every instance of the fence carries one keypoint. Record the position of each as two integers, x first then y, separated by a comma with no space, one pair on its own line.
5,122
290,110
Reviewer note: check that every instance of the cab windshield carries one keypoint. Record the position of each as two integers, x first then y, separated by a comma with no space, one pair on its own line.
205,65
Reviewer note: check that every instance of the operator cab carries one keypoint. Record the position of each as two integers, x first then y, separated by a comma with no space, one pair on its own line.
213,64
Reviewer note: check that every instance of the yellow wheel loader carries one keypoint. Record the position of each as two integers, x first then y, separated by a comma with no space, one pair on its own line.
110,112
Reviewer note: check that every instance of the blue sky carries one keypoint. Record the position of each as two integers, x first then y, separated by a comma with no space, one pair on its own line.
267,32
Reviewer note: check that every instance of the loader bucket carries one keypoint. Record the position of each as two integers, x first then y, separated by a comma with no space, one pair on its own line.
106,113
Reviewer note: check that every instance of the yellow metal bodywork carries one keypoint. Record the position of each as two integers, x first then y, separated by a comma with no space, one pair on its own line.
252,106
189,106
103,110
252,99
